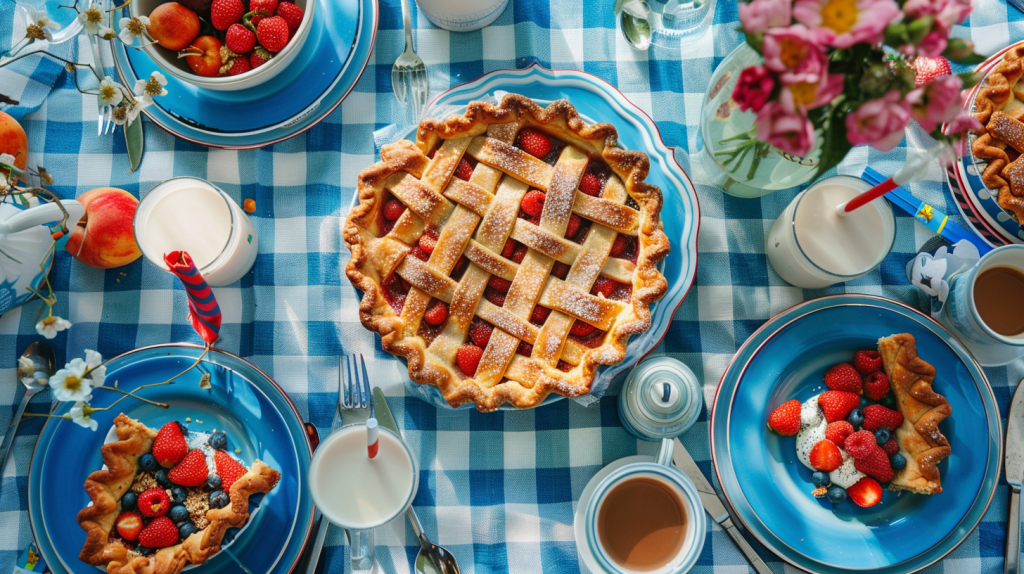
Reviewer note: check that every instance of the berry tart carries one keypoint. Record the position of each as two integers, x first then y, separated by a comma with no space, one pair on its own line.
508,252
165,499
877,423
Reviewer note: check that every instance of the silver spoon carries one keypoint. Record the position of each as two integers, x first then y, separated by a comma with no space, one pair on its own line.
635,25
44,365
436,557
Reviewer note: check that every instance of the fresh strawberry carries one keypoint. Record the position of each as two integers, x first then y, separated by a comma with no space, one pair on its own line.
876,385
519,253
495,297
540,314
259,57
292,14
875,465
499,283
838,431
154,502
419,253
160,533
239,65
191,471
228,469
604,286
272,33
464,171
825,456
877,416
837,404
930,68
891,447
534,142
428,241
560,270
581,329
533,202
525,349
169,446
480,332
843,377
785,419
393,209
239,39
263,7
510,246
590,184
619,245
867,362
224,13
866,493
436,313
573,227
128,525
860,444
468,358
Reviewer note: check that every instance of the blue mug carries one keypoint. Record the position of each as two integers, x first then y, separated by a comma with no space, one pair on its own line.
679,485
960,310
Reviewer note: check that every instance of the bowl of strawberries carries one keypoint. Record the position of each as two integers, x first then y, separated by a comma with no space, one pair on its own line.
224,44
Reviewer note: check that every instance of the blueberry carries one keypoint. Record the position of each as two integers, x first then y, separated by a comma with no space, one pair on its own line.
213,482
864,402
178,514
148,463
186,529
144,550
162,479
888,401
178,495
855,418
219,440
820,479
897,461
184,429
882,436
219,499
837,494
129,501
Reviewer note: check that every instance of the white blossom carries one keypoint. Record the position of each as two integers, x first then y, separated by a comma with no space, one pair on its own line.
80,417
111,92
132,28
148,89
95,369
70,384
106,33
50,326
91,18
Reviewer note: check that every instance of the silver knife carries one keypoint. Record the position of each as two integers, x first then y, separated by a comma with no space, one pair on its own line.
715,507
1014,475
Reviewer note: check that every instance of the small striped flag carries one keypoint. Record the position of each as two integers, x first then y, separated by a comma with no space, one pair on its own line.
204,312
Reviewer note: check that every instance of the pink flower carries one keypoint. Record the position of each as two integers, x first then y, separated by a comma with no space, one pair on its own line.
794,54
946,12
879,122
757,16
753,88
791,132
807,96
937,102
963,122
843,23
932,45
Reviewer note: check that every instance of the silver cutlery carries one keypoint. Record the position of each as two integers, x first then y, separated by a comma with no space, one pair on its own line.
44,363
715,507
1014,461
106,113
409,74
439,558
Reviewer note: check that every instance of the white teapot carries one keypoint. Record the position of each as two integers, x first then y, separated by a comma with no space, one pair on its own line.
25,239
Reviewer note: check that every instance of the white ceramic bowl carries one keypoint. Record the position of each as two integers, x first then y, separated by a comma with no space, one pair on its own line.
170,63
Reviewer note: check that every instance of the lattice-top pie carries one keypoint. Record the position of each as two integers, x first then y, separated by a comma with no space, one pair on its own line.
999,106
508,252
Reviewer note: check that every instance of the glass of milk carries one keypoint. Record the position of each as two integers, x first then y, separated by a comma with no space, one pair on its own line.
812,246
190,214
462,15
360,493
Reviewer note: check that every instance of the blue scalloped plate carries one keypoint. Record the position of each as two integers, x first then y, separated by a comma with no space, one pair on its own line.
260,420
323,73
599,101
769,489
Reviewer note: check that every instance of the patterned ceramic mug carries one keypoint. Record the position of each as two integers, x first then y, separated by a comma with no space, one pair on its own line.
961,310
682,553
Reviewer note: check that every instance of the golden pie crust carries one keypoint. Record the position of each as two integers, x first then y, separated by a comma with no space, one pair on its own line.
921,442
106,487
999,106
474,218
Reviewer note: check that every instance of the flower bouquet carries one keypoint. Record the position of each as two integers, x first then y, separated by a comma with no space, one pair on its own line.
818,77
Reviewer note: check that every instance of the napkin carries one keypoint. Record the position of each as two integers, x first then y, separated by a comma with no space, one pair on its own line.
931,270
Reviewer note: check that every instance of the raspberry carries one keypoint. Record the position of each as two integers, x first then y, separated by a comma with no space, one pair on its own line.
838,431
540,314
876,385
224,13
239,39
480,332
292,15
464,171
604,286
891,447
272,33
460,265
533,202
468,358
495,297
560,270
154,502
785,419
436,313
573,227
393,209
843,377
499,283
877,416
590,184
581,329
534,142
525,349
837,404
867,362
427,242
519,253
510,246
619,245
860,444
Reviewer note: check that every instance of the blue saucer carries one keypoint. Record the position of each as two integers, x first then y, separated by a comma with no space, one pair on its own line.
770,490
260,422
324,71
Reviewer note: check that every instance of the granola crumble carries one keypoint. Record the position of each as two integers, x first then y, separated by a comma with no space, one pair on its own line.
144,481
198,505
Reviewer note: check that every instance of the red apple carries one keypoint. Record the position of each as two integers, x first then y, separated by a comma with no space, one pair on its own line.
13,141
105,236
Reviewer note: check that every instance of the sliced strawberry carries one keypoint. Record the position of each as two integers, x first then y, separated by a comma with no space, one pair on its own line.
427,242
228,469
866,493
825,456
604,286
519,253
128,525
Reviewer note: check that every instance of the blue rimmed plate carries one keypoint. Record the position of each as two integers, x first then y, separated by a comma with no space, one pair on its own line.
599,101
260,420
769,489
324,71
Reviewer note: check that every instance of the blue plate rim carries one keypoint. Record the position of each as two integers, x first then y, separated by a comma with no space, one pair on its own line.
275,385
848,299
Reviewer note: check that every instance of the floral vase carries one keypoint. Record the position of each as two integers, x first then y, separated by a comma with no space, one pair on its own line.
730,154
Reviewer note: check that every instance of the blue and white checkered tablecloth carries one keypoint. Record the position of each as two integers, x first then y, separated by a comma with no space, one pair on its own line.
499,489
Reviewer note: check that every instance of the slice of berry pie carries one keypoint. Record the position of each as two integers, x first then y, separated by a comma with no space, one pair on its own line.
165,499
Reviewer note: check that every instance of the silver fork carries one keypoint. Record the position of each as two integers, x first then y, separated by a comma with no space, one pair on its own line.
105,118
409,72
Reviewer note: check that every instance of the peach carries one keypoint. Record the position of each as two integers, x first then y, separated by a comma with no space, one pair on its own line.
105,236
13,141
173,26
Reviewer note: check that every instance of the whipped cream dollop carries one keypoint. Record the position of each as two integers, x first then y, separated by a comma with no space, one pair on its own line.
812,430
